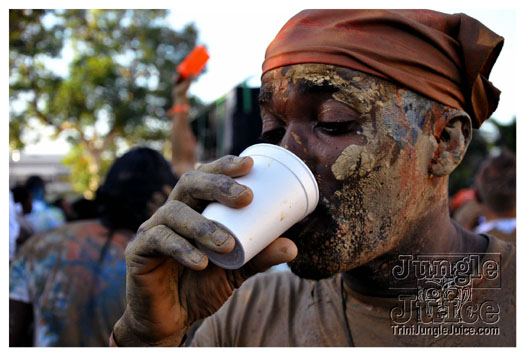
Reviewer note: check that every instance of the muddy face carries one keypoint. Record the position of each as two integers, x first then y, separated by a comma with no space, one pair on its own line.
369,143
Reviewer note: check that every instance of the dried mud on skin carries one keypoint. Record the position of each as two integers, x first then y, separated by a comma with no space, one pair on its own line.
383,181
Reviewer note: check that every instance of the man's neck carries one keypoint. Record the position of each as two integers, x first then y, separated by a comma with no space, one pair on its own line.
436,235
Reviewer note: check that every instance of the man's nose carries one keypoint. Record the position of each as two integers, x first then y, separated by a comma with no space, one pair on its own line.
295,141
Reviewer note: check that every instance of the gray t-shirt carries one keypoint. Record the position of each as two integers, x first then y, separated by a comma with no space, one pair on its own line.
280,309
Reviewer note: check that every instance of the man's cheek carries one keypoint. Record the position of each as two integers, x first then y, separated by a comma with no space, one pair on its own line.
358,160
354,160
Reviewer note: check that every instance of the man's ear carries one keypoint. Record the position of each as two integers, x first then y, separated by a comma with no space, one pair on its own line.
453,133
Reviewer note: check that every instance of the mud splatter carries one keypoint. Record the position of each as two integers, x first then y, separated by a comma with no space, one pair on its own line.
296,138
354,159
377,189
360,97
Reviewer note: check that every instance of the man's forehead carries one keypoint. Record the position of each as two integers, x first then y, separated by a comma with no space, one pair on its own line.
351,87
320,75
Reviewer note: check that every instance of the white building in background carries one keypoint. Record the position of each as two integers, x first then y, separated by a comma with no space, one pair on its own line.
48,167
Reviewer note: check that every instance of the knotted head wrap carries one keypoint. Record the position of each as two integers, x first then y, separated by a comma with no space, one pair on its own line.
447,58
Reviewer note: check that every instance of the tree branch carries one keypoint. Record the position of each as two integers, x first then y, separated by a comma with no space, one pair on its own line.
40,115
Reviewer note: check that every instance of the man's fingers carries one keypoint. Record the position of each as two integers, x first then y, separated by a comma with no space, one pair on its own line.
280,251
186,222
213,182
162,241
194,187
231,166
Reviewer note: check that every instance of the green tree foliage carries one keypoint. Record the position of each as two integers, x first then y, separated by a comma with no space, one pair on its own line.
29,43
82,176
118,85
507,135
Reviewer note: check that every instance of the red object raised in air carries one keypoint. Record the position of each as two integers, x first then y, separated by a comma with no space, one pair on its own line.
194,62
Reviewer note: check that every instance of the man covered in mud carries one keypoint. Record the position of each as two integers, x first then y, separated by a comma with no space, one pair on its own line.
380,105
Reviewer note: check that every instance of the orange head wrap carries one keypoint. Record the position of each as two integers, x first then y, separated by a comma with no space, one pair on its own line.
447,58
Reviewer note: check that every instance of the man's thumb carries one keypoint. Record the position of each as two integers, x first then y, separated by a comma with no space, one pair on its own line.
279,251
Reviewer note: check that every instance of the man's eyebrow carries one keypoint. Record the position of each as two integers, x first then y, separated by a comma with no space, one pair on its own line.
305,86
309,86
325,85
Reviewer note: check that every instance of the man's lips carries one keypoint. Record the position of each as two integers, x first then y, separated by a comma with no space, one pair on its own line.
309,223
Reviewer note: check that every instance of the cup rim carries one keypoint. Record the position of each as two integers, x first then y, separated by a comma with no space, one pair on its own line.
296,158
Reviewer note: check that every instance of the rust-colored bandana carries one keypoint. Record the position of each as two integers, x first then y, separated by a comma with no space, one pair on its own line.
447,58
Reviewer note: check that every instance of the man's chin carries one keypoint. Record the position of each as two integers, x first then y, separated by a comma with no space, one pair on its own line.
309,271
313,260
322,252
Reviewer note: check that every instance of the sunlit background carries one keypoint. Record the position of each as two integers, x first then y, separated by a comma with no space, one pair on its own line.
237,39
236,35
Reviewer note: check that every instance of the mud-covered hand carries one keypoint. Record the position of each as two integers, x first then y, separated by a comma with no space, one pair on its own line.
170,283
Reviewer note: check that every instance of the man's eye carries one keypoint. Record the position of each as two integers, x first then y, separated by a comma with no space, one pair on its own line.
273,136
338,128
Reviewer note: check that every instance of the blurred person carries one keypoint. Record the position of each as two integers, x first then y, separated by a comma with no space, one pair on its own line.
469,214
63,204
496,191
23,205
183,140
465,208
23,199
460,198
14,227
85,209
70,281
43,216
380,104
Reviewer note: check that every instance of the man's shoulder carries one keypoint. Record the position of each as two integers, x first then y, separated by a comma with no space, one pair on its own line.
492,247
502,255
498,246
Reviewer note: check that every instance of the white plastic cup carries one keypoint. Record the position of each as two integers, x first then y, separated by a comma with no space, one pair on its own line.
284,192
